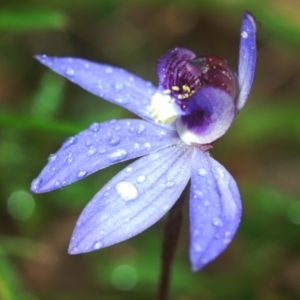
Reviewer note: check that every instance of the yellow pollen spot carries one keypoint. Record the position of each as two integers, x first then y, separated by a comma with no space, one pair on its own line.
175,88
180,97
186,88
167,92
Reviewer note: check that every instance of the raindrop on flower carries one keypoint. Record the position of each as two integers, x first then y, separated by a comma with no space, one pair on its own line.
141,179
217,222
98,245
202,172
69,158
81,174
118,155
92,151
94,127
70,72
52,157
114,141
126,190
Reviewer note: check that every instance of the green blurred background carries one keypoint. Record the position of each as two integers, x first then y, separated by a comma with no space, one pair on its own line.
39,110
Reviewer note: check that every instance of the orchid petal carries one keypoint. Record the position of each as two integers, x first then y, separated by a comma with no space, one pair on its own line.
210,112
98,147
247,58
110,83
133,200
215,209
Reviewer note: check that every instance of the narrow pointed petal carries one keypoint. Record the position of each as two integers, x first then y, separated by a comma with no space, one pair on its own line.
247,58
99,146
133,200
110,83
210,114
215,209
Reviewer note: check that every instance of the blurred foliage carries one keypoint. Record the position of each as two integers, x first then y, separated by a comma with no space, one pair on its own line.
38,110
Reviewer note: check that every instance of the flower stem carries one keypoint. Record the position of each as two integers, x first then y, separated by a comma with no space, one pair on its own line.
170,239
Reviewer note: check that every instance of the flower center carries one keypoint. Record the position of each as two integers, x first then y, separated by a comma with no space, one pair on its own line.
180,75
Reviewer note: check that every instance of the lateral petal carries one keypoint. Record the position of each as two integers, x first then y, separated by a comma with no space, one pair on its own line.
215,209
133,200
247,59
100,146
110,83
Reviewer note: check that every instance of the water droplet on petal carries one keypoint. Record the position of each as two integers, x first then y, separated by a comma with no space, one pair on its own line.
114,141
36,184
141,179
97,245
102,150
108,70
92,151
118,86
129,169
81,174
118,155
198,193
69,158
227,233
52,157
202,172
141,128
117,128
88,144
127,190
136,146
198,247
70,72
170,184
244,34
147,145
217,222
131,79
70,141
94,127
57,183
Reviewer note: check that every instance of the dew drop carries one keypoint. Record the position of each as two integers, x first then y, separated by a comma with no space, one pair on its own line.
129,169
170,184
92,151
70,72
244,34
36,184
126,190
131,79
57,183
108,70
114,141
88,144
69,158
198,193
97,245
141,179
118,86
217,222
147,145
117,128
198,248
141,128
102,150
118,155
52,157
202,172
94,127
81,174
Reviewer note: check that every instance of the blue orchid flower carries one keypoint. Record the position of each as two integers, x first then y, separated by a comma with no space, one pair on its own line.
194,105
